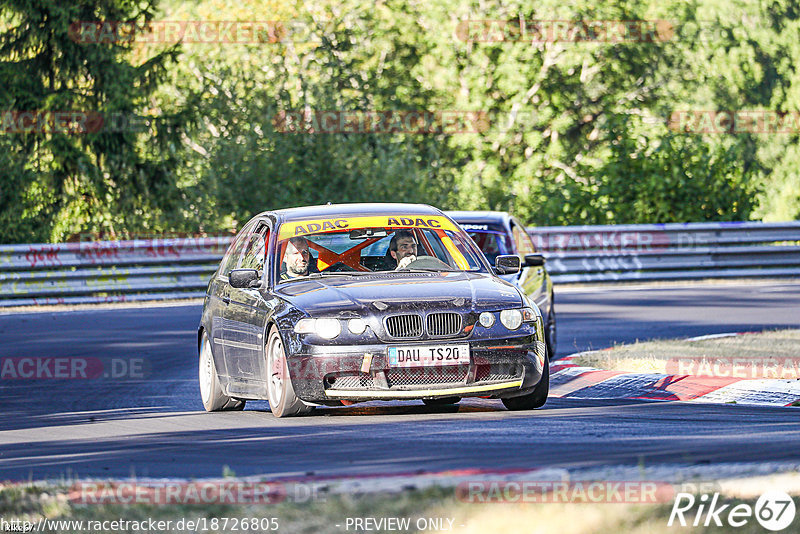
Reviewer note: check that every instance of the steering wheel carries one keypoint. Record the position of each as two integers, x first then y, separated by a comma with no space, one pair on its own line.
427,262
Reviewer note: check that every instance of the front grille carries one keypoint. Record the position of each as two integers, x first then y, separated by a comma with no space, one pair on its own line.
404,326
410,378
444,324
497,373
423,377
360,381
427,376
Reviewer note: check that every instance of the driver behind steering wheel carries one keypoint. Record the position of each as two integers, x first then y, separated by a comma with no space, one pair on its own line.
297,261
403,248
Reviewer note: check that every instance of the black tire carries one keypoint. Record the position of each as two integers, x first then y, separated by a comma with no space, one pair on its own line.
214,399
441,401
550,329
282,400
537,397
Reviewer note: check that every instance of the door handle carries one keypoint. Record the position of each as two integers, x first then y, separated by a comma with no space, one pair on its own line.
226,300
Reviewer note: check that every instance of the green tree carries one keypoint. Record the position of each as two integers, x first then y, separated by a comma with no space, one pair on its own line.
358,59
56,183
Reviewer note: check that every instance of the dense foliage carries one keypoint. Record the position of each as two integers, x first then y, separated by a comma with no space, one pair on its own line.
573,132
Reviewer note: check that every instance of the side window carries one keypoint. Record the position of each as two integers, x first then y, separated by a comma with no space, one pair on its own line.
436,245
522,240
234,251
254,252
465,251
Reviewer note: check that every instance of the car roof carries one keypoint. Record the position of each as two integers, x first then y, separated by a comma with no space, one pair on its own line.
500,217
349,210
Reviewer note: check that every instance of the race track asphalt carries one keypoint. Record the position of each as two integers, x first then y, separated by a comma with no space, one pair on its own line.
154,426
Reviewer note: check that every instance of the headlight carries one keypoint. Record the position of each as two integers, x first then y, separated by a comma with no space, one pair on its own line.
305,326
486,319
328,328
357,326
513,319
324,328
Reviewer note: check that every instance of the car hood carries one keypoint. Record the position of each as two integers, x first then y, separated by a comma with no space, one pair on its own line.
400,292
510,278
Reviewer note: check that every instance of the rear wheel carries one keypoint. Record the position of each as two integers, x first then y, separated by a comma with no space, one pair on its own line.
441,401
282,400
537,397
214,399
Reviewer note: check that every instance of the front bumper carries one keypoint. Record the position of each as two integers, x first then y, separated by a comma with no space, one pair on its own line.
497,368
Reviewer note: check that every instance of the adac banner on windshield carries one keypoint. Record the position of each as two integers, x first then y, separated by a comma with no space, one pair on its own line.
338,224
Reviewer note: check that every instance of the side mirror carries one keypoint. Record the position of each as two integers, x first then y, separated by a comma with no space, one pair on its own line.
534,260
507,264
245,278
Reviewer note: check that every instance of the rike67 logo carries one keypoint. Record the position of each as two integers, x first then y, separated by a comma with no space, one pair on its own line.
774,511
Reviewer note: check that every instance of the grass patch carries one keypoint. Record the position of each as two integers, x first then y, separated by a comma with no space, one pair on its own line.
658,356
30,503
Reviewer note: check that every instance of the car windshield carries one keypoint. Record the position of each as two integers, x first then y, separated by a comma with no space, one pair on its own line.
492,240
374,244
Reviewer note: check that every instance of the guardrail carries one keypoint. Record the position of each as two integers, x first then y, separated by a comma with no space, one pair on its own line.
669,251
108,271
153,269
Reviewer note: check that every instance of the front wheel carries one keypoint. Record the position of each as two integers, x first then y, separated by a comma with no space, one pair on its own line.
282,400
537,397
550,329
214,399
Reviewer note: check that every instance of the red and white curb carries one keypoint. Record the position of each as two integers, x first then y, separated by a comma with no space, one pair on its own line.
570,380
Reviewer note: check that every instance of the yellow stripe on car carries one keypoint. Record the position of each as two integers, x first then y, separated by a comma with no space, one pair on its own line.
337,224
451,248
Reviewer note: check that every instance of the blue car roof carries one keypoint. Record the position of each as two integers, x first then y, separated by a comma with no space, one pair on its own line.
487,217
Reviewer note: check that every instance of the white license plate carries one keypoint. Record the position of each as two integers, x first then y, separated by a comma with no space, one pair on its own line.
428,355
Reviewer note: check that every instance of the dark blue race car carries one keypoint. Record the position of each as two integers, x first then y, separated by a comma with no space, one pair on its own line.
498,233
330,305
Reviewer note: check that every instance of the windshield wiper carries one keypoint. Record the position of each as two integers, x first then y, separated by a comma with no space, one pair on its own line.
431,270
341,273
